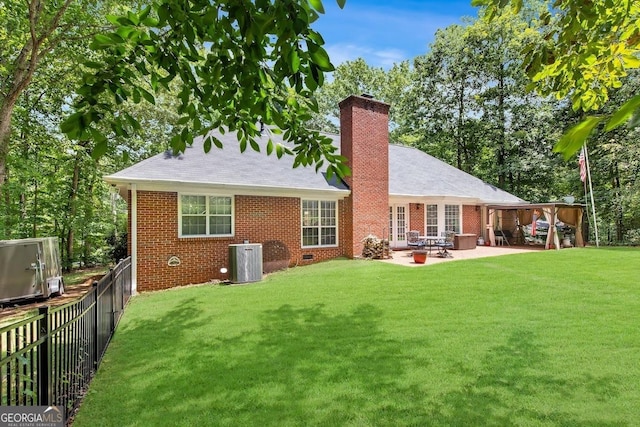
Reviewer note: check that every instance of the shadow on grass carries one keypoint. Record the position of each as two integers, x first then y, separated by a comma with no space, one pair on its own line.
308,366
509,378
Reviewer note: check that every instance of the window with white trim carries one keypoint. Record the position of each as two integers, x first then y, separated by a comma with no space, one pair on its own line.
319,223
432,220
452,218
205,215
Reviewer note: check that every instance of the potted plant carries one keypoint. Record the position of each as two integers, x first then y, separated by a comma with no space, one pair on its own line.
420,256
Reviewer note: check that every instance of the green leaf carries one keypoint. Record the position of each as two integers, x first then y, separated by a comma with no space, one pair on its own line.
148,96
71,123
269,147
132,122
136,95
101,39
320,57
145,12
623,113
216,141
343,170
150,22
294,60
113,19
575,137
279,150
99,150
207,145
94,65
97,135
317,5
516,6
341,3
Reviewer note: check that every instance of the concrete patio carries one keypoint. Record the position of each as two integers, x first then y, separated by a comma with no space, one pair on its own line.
404,257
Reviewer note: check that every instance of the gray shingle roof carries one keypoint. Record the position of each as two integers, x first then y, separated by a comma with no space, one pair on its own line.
412,172
227,166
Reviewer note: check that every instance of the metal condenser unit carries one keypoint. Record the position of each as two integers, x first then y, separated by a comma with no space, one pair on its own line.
245,262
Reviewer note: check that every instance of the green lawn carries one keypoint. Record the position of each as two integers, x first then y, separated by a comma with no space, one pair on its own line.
547,338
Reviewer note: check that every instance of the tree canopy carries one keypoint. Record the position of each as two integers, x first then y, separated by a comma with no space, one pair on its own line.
463,101
236,64
589,47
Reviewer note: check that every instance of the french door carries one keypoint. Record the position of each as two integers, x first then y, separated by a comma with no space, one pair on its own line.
398,223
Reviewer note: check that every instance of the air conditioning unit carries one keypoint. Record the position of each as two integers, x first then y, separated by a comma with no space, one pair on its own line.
245,263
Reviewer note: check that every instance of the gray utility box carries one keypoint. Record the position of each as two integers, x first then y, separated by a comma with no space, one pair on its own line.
30,268
245,263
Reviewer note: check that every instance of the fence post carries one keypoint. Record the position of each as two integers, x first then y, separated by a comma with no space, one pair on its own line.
45,387
123,274
96,337
112,284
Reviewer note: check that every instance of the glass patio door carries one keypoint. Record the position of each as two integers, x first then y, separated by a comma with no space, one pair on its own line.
398,223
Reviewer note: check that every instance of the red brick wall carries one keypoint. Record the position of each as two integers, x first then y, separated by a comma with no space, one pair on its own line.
471,220
257,219
364,137
416,217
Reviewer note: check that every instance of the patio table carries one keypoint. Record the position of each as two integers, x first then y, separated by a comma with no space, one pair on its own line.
431,241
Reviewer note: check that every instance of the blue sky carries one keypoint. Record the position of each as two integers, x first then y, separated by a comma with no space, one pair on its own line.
386,31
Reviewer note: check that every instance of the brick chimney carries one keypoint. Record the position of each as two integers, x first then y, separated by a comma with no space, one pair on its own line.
364,141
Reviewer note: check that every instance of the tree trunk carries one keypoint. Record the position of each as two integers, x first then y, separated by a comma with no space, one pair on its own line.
88,219
24,67
618,201
71,212
502,150
459,138
6,111
34,231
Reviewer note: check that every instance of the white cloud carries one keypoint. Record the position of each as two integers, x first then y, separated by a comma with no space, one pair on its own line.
384,33
384,58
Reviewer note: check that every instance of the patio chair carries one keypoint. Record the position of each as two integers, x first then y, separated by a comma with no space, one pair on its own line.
445,244
502,236
414,241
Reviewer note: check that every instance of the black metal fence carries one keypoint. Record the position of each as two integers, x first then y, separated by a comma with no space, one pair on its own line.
49,358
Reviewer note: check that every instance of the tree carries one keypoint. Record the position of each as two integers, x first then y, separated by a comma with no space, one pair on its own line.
469,107
236,63
590,47
32,33
357,77
442,107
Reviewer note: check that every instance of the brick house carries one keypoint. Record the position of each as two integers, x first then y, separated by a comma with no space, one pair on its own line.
190,208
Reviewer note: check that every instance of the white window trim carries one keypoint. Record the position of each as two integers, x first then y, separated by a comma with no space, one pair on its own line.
207,195
441,211
302,227
444,216
426,219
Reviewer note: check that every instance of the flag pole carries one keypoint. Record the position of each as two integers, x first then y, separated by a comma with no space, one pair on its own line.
593,206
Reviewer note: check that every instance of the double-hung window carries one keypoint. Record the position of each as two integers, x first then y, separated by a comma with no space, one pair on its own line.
432,220
205,215
452,218
319,223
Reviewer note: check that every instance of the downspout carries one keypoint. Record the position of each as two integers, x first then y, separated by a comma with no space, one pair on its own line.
134,239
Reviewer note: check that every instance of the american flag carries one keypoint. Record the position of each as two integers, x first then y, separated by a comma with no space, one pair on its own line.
583,165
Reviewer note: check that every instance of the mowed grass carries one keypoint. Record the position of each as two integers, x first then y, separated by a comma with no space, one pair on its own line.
547,338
